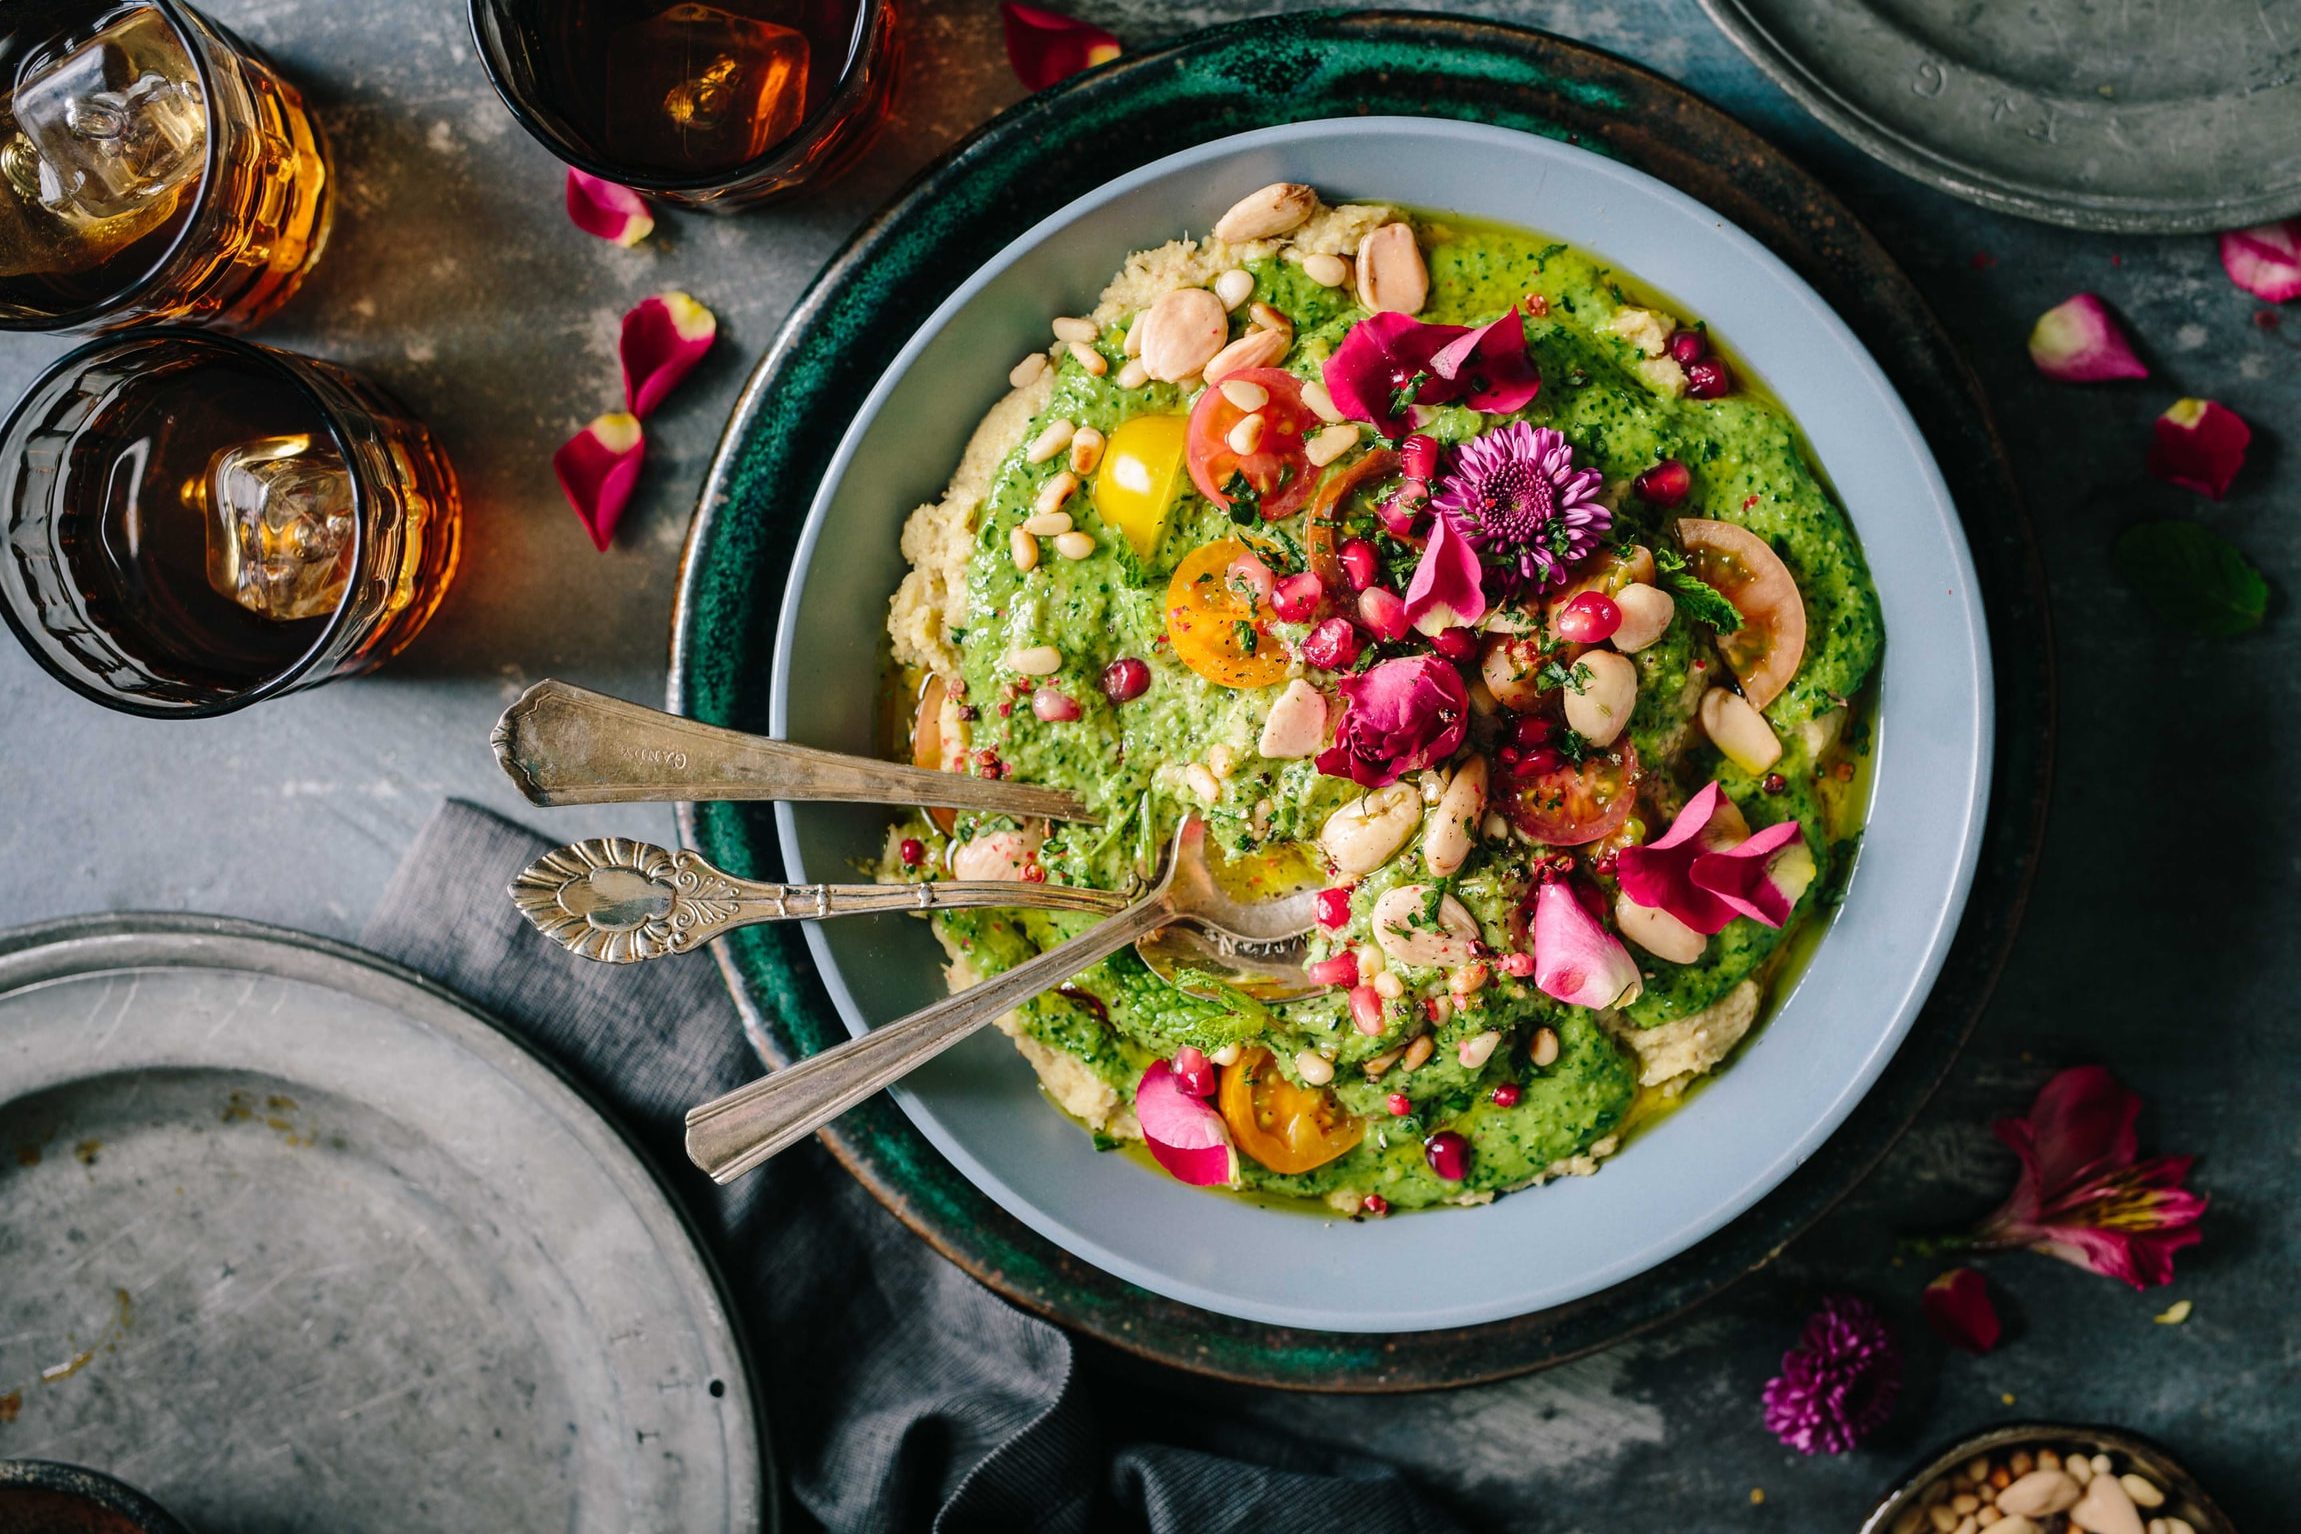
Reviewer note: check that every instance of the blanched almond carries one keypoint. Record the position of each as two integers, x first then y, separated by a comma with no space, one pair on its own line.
1392,276
1600,710
1279,208
1296,724
1658,932
1181,333
1255,349
1739,730
1647,612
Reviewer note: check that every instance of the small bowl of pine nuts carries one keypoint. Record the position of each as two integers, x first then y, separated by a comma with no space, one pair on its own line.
2050,1478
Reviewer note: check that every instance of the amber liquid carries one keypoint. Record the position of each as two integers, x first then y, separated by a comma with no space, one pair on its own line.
687,88
225,247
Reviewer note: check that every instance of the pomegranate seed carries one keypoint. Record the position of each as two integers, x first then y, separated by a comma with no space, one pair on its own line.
1398,1104
1709,378
1448,1154
1125,679
1589,618
1384,612
1334,907
1688,347
1456,644
914,851
1196,1071
1399,516
1340,970
1251,578
1034,874
1054,705
1774,783
1538,761
1332,646
1529,732
1518,965
1359,564
1507,1094
1418,457
1666,484
1296,598
1366,1010
1605,864
1374,1204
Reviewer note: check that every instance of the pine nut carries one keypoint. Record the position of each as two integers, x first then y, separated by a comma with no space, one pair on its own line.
1202,782
1244,394
1052,439
1027,371
1025,549
1545,1051
1246,436
1266,317
1038,660
1314,1068
1418,1052
1388,986
1227,1055
1132,344
1047,523
1475,1051
1494,828
1220,759
1089,358
1055,491
1076,330
1321,403
1380,1065
1255,349
2142,1490
1439,1008
1470,979
1328,444
1327,271
1074,545
1086,450
1234,287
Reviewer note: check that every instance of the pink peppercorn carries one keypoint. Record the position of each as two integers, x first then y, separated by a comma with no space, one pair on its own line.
1366,1010
1359,564
1334,907
1340,970
1448,1154
1125,679
1518,965
1507,1094
914,851
1398,1104
1196,1071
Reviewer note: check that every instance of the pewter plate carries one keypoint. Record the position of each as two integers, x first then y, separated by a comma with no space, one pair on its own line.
2146,116
293,1240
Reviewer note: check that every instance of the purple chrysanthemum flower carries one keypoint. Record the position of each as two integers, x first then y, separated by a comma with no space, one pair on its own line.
1839,1384
1517,498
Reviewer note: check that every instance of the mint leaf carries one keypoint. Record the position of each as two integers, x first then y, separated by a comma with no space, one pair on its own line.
1697,598
1245,500
2195,578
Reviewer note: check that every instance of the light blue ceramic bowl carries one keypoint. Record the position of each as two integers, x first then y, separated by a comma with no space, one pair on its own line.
1695,1171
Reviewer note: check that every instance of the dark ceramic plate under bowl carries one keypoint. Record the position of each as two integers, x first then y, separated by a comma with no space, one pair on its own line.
1014,171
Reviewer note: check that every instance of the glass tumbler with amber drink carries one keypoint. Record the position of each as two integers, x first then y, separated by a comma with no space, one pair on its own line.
190,523
707,103
152,167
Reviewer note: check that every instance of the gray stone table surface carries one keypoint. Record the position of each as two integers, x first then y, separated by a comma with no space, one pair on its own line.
2161,939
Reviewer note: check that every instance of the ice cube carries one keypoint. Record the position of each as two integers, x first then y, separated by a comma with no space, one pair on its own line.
36,239
279,518
117,122
697,85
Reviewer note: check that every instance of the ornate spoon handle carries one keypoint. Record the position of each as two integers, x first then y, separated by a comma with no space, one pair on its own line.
622,901
730,1135
563,744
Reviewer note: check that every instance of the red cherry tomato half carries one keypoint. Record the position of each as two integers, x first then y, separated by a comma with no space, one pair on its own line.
1278,468
1567,805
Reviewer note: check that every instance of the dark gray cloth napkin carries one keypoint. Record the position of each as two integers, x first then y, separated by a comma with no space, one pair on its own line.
899,1394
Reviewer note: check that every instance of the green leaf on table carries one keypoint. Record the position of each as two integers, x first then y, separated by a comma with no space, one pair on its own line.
2195,578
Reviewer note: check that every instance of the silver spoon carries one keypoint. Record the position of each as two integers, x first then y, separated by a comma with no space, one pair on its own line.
733,1134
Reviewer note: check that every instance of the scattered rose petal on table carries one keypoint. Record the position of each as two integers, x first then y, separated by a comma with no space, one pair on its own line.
1839,1384
1185,1134
2265,260
598,467
663,338
1046,46
1958,1307
612,212
2079,341
2199,445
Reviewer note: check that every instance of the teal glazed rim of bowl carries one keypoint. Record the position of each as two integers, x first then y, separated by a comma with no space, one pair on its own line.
1271,70
1826,1041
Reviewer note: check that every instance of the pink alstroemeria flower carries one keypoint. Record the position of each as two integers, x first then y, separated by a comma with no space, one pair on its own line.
1390,362
2084,1194
1708,869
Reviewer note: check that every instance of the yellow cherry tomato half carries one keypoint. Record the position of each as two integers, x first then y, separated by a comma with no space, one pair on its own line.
1216,629
1141,471
1285,1127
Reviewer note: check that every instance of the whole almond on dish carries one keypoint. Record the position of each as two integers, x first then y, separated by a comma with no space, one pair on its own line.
1255,349
1279,208
1391,274
1181,333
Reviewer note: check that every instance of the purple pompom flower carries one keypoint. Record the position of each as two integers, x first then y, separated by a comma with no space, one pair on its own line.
1839,1384
1515,496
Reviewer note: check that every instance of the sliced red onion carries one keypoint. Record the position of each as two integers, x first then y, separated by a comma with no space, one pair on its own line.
663,338
2199,445
598,467
1046,46
2079,341
612,212
1760,878
1576,959
2265,260
1185,1136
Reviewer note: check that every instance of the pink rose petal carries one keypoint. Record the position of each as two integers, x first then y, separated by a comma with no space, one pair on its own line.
1380,356
1447,590
612,212
1576,959
1184,1134
1659,874
1046,46
2265,260
1489,369
1957,1306
598,467
663,338
1760,878
2078,341
2199,445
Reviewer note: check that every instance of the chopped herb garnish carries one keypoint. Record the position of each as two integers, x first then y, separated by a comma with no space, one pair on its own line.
1542,256
1247,638
1245,500
1556,675
1571,744
1402,397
